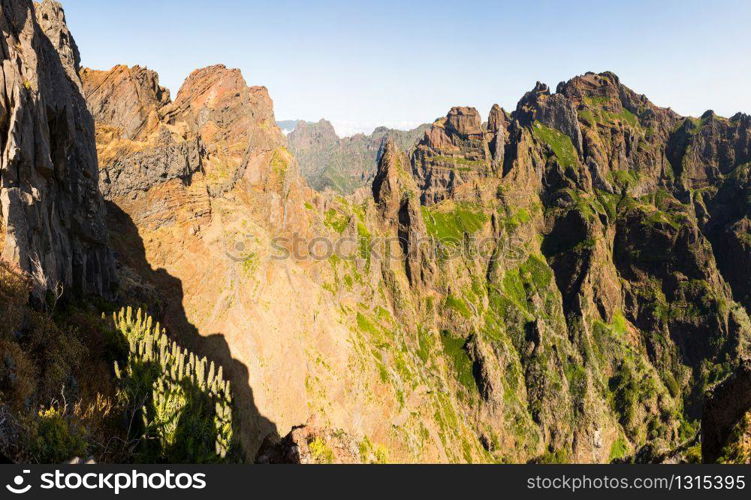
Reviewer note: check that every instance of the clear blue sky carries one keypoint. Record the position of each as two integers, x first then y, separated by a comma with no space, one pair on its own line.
360,64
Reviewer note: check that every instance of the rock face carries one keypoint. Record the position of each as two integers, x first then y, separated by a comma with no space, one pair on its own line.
314,445
343,164
724,410
207,175
52,212
396,196
456,152
561,283
556,284
142,149
127,99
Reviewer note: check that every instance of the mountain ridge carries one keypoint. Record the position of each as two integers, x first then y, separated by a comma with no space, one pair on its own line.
342,164
558,283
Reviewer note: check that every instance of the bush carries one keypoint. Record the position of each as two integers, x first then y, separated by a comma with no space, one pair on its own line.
57,438
183,402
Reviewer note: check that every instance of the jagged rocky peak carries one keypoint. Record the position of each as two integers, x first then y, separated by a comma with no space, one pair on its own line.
453,151
591,84
310,138
395,194
218,105
51,19
497,133
343,164
51,209
552,110
741,118
464,121
136,146
217,125
322,128
386,181
713,147
497,119
128,99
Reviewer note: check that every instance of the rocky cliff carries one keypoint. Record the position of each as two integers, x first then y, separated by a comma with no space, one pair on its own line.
555,271
51,210
343,164
559,283
551,284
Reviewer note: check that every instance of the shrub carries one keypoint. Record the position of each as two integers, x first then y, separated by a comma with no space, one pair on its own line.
183,400
57,437
320,452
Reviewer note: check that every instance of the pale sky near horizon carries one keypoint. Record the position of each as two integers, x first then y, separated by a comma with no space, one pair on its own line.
401,63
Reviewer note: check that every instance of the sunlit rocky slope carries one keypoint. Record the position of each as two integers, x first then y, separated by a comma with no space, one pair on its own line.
557,291
559,283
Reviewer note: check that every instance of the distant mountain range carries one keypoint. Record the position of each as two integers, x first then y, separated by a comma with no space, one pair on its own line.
341,164
287,126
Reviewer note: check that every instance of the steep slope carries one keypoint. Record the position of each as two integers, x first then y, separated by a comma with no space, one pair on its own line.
342,164
549,286
51,211
257,223
53,244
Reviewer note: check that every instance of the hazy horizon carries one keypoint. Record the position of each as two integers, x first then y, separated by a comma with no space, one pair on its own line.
361,66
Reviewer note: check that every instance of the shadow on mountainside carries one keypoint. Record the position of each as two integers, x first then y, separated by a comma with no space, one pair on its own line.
165,302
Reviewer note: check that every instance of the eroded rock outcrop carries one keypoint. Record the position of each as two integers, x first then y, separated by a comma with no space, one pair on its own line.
52,212
307,444
452,155
137,148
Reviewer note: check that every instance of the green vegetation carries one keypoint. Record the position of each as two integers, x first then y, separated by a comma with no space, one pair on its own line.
55,380
250,263
180,402
458,305
625,178
455,349
576,375
537,272
320,451
365,325
596,112
336,220
618,450
371,453
57,437
363,242
426,344
559,456
559,143
280,163
515,219
738,447
449,223
587,116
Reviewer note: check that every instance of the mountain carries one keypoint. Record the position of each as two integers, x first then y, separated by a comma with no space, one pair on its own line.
342,164
287,126
565,282
51,214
